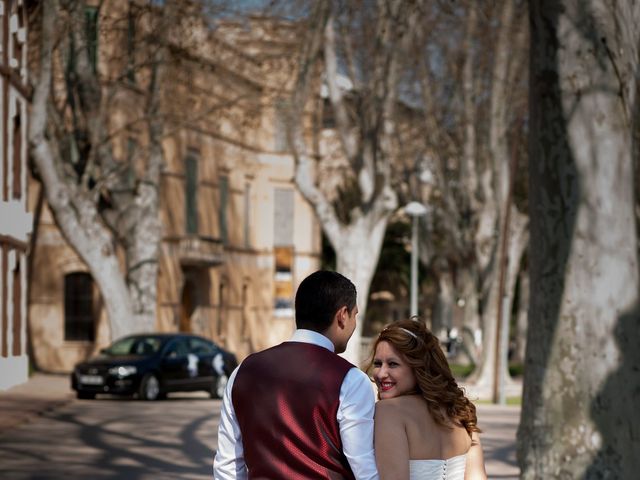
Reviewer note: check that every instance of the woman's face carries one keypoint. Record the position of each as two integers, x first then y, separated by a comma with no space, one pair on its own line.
391,372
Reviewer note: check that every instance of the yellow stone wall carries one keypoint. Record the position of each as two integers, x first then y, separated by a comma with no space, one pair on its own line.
223,109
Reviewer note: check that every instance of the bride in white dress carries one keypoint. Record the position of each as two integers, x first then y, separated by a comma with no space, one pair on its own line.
425,428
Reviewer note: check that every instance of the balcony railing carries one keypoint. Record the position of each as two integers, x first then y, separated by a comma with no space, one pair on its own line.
199,251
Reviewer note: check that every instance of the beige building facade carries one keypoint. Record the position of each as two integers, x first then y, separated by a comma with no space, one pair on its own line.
15,218
237,236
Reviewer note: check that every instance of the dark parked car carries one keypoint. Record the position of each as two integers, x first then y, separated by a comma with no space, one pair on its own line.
154,364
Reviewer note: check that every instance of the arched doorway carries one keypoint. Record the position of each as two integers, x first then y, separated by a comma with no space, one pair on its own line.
187,305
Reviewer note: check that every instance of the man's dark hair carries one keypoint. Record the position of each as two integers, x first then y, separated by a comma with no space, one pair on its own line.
320,296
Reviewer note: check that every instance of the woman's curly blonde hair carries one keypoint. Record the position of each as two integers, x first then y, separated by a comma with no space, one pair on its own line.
421,349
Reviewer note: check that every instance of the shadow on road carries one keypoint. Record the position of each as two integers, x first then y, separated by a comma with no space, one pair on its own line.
114,438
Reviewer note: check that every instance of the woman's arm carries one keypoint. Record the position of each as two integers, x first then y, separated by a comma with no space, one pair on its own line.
391,443
474,469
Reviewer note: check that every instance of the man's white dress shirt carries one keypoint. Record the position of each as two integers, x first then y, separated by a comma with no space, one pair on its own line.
355,418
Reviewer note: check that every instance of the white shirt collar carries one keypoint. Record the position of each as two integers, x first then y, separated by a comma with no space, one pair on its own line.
315,338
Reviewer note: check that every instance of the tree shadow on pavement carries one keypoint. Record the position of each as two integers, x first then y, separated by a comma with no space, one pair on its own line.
153,446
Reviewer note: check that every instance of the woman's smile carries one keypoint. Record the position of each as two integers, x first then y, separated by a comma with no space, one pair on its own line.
391,372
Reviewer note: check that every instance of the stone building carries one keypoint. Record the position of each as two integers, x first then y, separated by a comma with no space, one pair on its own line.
237,236
15,219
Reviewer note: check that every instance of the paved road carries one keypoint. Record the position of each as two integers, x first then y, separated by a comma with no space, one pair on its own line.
499,425
173,439
116,439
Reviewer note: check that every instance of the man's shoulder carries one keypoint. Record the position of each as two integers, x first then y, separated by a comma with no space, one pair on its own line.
261,354
357,375
292,351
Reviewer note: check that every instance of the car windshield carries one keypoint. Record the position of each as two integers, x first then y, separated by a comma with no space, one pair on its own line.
143,346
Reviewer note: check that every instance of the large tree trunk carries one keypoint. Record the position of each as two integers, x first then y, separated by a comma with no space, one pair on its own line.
354,248
443,314
96,207
75,213
142,255
496,184
471,329
354,224
517,237
469,171
146,229
580,408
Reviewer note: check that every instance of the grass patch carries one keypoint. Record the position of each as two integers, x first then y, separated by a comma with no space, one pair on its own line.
510,401
461,371
514,401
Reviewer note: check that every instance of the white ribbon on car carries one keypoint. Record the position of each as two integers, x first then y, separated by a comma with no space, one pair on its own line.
218,364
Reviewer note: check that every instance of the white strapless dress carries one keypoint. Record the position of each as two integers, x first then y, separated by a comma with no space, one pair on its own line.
450,469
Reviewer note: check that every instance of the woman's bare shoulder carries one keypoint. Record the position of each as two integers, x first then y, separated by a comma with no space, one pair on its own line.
400,406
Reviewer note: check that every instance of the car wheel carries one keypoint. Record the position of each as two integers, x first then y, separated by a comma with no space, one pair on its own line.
85,395
149,387
217,391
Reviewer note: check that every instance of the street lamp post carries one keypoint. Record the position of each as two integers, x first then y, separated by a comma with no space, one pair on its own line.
415,210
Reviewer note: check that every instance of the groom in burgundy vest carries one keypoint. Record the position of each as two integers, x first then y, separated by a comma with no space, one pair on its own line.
298,410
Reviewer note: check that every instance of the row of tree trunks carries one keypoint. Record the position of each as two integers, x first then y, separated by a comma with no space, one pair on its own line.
517,241
497,209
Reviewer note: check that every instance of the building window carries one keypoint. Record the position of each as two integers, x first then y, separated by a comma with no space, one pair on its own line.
131,36
222,212
283,295
245,308
283,217
79,324
4,300
281,141
221,306
17,154
16,27
132,152
247,215
283,252
17,311
91,30
328,119
191,192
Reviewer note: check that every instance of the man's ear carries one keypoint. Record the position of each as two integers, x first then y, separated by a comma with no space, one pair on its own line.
341,316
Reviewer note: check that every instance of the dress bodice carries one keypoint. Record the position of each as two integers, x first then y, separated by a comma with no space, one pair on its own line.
450,469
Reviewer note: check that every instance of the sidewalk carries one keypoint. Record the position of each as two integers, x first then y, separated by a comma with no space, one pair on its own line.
40,394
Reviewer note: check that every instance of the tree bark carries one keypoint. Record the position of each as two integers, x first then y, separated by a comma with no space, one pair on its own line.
496,184
368,143
98,210
517,238
75,213
522,317
143,249
469,171
580,407
443,314
355,246
471,328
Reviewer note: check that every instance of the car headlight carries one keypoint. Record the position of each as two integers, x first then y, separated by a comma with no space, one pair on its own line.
123,371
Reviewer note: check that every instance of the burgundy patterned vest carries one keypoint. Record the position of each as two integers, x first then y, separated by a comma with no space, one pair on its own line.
286,400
